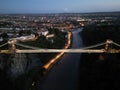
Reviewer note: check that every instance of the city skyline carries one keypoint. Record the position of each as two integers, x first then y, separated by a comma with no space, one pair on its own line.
58,6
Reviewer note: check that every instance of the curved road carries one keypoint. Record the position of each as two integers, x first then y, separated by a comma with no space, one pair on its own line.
64,75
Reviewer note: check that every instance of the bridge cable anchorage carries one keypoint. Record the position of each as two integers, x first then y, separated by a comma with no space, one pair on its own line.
27,46
3,44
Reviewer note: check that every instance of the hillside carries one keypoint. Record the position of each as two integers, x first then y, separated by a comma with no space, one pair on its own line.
100,71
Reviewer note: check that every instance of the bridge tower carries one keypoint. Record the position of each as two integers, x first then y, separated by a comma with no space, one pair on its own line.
12,47
108,45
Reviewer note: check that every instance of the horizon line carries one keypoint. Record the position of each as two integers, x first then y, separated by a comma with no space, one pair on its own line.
88,12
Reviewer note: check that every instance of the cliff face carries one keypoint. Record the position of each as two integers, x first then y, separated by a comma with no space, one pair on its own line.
4,63
15,70
18,64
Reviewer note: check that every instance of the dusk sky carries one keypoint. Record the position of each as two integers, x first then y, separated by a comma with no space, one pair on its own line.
58,6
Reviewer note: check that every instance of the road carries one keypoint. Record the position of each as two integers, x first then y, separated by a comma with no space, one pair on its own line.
64,75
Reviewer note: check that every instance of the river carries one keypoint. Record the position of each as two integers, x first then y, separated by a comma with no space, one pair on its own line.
65,74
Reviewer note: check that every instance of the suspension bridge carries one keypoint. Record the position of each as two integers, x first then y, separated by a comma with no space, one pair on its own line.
88,49
30,49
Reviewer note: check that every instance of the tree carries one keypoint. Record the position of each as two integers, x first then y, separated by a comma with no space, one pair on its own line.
21,33
4,36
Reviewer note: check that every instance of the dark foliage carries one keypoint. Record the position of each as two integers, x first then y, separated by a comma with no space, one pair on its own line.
100,71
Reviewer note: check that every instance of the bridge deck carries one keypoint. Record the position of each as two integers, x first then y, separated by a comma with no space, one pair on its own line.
55,51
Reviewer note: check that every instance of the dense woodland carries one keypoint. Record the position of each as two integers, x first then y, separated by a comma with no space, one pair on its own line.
94,34
100,71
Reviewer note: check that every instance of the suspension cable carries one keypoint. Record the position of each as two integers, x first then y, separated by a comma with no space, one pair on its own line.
116,44
89,47
93,46
26,46
3,44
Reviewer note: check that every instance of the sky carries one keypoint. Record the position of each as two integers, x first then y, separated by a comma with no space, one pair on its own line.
58,6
